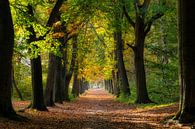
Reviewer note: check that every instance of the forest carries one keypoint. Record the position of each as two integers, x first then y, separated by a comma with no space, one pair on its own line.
97,64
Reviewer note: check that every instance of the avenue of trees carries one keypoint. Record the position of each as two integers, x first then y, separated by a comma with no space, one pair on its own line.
139,50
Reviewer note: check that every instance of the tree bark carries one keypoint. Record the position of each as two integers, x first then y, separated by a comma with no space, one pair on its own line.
49,93
6,52
141,27
37,85
187,60
65,95
36,72
69,72
58,80
116,90
142,94
75,88
124,84
15,85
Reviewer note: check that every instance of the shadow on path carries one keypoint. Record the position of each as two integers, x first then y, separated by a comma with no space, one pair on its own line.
96,109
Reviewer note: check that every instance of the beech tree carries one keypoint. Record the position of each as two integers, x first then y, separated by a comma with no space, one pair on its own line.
36,70
123,80
6,52
141,27
186,113
75,87
49,91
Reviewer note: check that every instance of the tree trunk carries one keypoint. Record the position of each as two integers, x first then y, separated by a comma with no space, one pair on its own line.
187,60
66,88
69,72
124,84
81,86
36,72
58,80
142,94
15,85
75,88
116,90
37,85
49,93
6,52
65,95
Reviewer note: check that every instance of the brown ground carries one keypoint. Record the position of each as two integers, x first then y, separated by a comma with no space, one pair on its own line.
94,110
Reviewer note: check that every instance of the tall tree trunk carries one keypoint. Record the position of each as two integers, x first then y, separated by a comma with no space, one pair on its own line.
49,93
36,72
141,26
67,83
142,94
58,80
65,95
75,88
6,52
37,85
69,72
80,86
124,84
187,60
116,89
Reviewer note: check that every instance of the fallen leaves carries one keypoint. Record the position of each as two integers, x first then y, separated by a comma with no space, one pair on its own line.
94,110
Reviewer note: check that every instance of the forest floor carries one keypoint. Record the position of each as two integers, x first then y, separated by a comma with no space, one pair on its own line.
96,109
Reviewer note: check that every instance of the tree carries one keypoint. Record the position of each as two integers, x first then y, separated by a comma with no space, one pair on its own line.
49,93
124,84
70,71
120,75
15,85
186,11
75,88
6,52
36,71
141,27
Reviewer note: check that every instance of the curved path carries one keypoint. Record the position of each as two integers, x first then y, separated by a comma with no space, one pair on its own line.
96,109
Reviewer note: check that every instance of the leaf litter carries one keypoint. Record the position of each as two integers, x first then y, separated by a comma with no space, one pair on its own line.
96,109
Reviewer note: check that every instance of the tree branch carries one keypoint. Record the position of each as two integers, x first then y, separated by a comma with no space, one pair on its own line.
128,17
131,46
54,12
150,22
52,17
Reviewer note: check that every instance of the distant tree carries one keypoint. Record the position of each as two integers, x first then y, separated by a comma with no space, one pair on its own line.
75,88
186,19
6,52
119,46
123,80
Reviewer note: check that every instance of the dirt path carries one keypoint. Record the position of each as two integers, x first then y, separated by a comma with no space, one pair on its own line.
94,110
